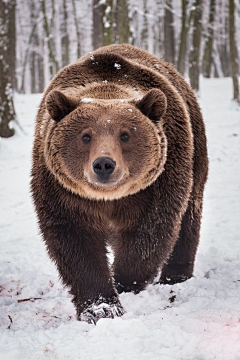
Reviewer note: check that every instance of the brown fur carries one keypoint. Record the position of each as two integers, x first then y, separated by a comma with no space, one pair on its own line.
150,210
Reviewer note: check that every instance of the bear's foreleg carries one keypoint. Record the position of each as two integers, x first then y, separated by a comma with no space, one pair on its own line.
139,254
132,272
80,256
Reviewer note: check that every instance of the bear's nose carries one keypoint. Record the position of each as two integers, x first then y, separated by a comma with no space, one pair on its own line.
103,167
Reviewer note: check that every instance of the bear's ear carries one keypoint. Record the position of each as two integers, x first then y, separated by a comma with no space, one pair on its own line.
153,104
59,105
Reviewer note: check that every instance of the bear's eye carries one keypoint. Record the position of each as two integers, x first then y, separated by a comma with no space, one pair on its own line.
124,137
86,138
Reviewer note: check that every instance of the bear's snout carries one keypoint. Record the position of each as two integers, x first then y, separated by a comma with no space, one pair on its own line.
103,167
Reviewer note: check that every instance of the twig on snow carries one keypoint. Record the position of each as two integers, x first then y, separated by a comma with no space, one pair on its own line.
29,299
9,326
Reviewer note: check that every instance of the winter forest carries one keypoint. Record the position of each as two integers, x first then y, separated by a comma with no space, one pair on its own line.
40,37
198,319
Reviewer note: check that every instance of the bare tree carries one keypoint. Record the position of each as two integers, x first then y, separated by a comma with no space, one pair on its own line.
53,63
77,28
108,22
97,34
12,45
144,32
34,48
7,111
233,51
103,23
186,20
65,37
222,35
122,30
169,41
195,47
158,29
208,51
33,54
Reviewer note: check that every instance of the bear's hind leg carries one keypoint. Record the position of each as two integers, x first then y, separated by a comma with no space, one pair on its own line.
181,262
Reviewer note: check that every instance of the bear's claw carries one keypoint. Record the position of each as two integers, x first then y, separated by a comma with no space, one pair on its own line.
96,312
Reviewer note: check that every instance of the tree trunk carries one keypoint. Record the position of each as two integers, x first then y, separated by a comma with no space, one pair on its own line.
34,48
218,72
41,81
122,30
224,57
144,33
7,111
196,44
158,29
208,57
233,51
135,25
53,63
77,28
12,39
33,71
65,37
108,22
186,20
97,35
169,41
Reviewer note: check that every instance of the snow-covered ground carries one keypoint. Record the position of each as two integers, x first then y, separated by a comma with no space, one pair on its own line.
203,323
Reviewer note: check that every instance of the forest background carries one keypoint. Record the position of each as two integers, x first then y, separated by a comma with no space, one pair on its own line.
37,38
195,320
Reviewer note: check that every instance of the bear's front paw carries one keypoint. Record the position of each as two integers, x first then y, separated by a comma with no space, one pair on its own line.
103,310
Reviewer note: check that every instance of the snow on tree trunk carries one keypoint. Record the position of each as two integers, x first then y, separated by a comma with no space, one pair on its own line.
196,44
233,51
7,112
108,22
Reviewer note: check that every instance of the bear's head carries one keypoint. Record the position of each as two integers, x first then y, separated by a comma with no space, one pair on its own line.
106,148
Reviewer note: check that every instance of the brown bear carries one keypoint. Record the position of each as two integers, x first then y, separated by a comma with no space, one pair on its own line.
119,159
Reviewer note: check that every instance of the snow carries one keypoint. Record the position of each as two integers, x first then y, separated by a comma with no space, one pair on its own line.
86,100
195,320
117,66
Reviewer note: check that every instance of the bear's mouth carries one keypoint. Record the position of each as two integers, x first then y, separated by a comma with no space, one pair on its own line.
106,184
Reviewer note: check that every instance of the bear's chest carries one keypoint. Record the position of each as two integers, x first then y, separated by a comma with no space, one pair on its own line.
115,216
